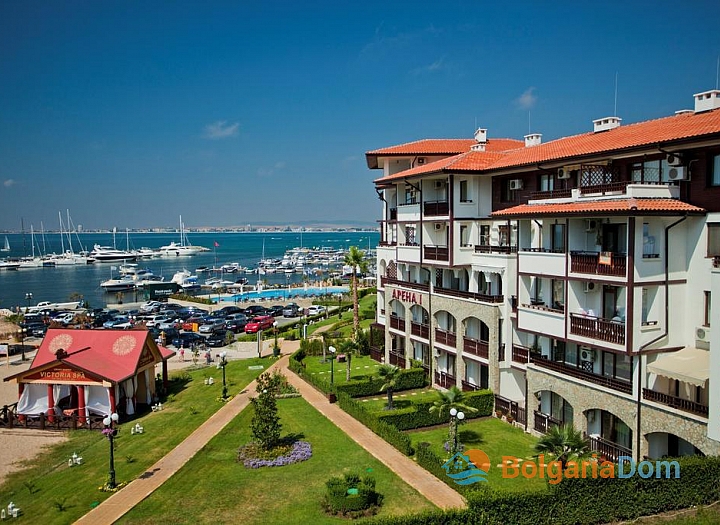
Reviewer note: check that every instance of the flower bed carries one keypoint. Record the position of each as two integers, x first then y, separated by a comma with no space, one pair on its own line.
300,451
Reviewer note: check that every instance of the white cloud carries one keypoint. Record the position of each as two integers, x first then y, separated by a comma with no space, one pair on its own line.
221,129
9,182
430,68
269,172
527,99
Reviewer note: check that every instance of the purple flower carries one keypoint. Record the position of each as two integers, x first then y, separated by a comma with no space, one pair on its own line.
301,451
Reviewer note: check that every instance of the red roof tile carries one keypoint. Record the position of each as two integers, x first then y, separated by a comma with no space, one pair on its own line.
470,161
629,206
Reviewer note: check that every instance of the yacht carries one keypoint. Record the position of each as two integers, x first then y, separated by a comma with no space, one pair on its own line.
110,254
118,284
181,249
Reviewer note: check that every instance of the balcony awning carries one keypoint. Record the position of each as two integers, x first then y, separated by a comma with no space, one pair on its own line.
488,269
690,364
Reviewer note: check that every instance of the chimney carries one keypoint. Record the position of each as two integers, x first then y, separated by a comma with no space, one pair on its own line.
481,138
605,124
707,100
533,139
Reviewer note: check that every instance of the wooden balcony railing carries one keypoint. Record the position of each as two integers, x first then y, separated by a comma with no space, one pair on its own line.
445,338
543,422
397,323
476,347
716,262
445,380
676,402
490,248
419,329
609,187
470,295
512,408
436,208
520,354
436,253
397,357
387,243
596,328
469,387
607,449
578,373
595,263
377,354
565,193
405,284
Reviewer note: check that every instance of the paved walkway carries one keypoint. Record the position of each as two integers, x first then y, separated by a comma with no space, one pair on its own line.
425,483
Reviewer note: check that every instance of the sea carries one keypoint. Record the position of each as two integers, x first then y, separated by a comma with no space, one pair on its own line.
61,283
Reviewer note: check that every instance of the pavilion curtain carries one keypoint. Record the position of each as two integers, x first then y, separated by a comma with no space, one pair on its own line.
59,392
129,393
97,400
148,395
33,400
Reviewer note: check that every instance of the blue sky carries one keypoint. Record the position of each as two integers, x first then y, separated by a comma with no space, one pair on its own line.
131,113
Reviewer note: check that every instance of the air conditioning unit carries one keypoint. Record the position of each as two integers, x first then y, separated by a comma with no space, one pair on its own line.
591,225
439,226
702,333
516,184
421,160
674,159
677,173
439,184
590,287
563,173
587,354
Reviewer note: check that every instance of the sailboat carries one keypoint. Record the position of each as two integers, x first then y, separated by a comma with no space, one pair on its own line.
69,257
6,246
182,249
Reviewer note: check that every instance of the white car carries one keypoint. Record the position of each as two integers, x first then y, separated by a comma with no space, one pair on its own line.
156,320
316,309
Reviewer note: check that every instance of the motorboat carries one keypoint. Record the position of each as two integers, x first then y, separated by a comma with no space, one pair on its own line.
110,254
181,249
118,284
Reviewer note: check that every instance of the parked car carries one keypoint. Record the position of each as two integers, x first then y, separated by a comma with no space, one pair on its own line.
315,309
187,340
170,334
217,339
151,306
291,310
212,325
260,322
100,320
156,320
227,310
35,329
275,310
65,318
117,320
254,310
194,320
236,322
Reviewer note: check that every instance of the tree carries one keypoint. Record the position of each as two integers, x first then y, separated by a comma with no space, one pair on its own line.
265,424
448,399
564,443
390,375
348,347
355,258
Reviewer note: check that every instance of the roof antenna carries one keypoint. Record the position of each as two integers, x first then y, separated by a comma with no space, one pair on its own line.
616,90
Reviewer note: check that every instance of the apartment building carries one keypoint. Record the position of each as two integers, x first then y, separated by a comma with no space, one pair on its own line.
575,278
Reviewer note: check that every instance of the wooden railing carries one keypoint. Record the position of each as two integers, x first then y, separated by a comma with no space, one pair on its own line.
512,408
520,354
397,323
607,449
377,354
578,373
445,338
543,422
11,419
387,243
596,328
565,193
476,347
406,284
445,380
419,329
8,415
397,358
436,253
490,248
435,208
469,387
470,295
608,187
716,262
590,263
676,402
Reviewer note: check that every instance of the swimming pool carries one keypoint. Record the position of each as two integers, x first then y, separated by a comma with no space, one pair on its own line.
284,293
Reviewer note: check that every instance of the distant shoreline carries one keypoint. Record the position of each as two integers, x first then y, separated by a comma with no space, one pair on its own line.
206,230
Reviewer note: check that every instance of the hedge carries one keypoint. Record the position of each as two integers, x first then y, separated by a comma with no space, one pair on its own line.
371,386
583,501
419,415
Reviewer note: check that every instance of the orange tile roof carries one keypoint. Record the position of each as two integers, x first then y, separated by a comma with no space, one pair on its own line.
629,206
470,161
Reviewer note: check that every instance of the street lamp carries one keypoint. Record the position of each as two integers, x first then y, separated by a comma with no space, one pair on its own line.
221,364
339,306
276,348
21,334
111,432
456,416
332,364
28,298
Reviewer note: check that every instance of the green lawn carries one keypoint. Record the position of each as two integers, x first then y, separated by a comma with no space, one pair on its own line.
214,488
493,437
360,366
402,399
48,481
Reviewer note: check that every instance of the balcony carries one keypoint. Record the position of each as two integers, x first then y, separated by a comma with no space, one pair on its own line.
596,328
490,248
436,253
676,402
445,338
436,208
512,408
551,194
392,216
476,347
445,380
377,354
607,449
397,357
595,263
405,284
578,373
387,244
397,323
543,422
420,330
470,295
521,354
469,387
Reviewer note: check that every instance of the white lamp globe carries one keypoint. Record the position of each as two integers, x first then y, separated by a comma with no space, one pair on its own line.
107,421
115,417
461,415
453,411
332,349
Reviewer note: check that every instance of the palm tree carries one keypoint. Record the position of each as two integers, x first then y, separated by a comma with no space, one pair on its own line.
348,347
564,443
355,258
390,374
448,399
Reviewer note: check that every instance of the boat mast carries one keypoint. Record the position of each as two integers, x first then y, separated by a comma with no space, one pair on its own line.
62,240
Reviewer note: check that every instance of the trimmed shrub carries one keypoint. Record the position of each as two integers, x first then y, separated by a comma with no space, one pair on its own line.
351,494
371,386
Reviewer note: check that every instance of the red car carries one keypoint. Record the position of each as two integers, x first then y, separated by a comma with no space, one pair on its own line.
261,322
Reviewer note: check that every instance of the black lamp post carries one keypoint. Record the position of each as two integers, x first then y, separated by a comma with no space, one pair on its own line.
221,364
339,306
28,298
111,432
332,364
455,417
21,334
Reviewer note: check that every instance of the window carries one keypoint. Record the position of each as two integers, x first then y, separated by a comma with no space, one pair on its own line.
648,243
645,306
650,171
506,194
410,235
484,235
410,195
707,308
715,171
464,235
464,197
618,366
558,294
547,182
713,231
503,235
558,238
